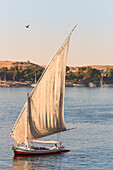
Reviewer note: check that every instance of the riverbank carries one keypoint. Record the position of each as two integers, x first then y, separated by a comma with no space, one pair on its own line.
71,84
15,84
31,84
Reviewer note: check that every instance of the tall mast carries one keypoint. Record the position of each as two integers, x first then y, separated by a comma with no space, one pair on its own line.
5,76
27,117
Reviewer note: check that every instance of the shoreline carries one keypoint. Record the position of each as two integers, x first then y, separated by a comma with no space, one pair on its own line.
67,84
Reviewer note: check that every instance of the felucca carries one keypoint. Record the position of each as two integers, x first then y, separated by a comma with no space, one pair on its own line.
42,114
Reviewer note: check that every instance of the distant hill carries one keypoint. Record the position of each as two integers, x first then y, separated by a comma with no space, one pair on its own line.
24,65
98,67
20,64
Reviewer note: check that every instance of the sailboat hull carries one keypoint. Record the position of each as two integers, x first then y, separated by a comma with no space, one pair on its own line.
28,152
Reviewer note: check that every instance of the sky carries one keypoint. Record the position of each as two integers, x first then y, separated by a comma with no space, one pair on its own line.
50,23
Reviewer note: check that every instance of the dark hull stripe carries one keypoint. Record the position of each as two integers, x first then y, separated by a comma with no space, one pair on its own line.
25,153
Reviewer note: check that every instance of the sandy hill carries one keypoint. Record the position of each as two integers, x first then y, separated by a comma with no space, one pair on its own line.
20,64
23,65
98,67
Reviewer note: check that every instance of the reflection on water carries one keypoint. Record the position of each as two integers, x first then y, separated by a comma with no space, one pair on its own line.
90,144
37,162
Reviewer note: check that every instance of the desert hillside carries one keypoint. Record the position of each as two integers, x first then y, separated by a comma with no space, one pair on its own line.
20,64
23,65
98,67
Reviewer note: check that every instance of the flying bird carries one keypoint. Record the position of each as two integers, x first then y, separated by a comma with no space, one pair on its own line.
27,26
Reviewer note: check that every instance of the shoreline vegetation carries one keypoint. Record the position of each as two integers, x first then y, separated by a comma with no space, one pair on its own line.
26,74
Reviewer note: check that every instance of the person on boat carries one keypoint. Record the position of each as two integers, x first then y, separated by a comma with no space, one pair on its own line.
56,145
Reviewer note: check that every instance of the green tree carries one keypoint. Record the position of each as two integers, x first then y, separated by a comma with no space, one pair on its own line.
109,78
70,76
82,69
79,75
96,76
110,73
67,68
88,72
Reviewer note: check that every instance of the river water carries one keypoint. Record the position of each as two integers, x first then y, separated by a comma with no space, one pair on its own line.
90,144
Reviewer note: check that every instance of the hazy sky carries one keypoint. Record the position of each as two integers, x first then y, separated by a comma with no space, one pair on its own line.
50,23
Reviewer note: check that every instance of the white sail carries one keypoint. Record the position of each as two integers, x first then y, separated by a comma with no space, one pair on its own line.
46,102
